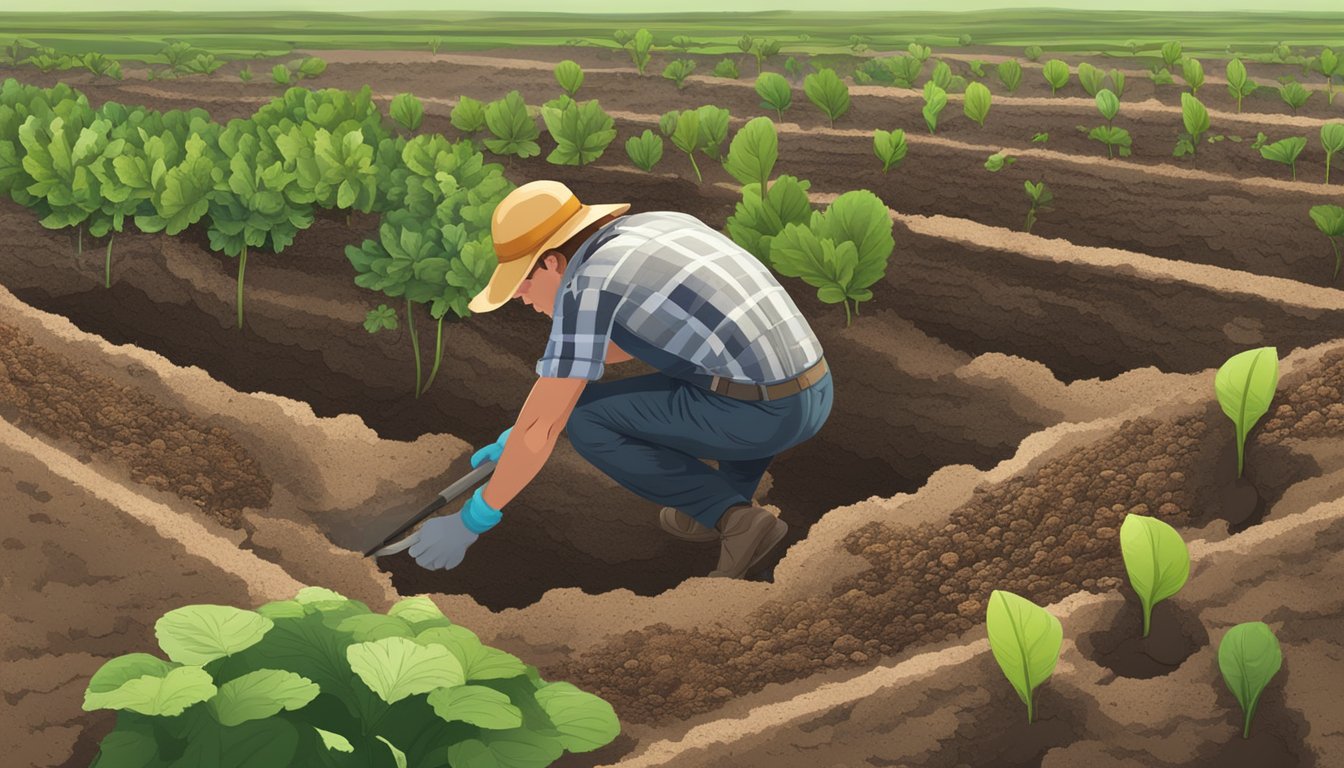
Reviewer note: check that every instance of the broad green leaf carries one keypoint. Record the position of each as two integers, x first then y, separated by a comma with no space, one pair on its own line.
121,670
1025,639
515,748
396,667
1108,104
478,661
582,133
166,696
998,161
468,115
860,217
514,128
1332,141
825,89
1010,74
775,92
1193,74
1090,77
713,125
976,103
260,694
334,741
199,634
1056,74
1285,151
397,755
753,152
1194,116
645,150
407,110
935,99
1329,219
1156,560
890,147
686,134
374,626
415,609
281,609
1245,386
586,722
758,219
129,747
569,75
1249,656
475,704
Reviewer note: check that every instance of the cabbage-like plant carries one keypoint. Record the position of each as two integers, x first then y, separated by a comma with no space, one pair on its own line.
678,70
1090,77
726,68
468,116
1171,53
976,102
408,111
67,162
1010,74
763,213
1033,52
581,132
1293,94
941,75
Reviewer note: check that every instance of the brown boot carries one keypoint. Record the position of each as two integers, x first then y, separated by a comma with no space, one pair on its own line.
747,536
685,527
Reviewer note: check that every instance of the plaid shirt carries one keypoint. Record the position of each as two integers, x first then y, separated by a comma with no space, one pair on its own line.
674,283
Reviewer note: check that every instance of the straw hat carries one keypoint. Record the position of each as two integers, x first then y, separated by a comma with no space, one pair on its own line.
531,220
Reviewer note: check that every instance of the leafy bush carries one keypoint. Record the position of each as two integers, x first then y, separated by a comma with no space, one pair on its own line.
1156,560
1245,386
841,252
1056,73
514,129
919,52
1249,656
281,75
1171,53
775,92
678,70
407,111
639,47
935,99
1025,639
976,103
1330,220
66,162
760,216
726,68
321,680
645,150
1040,198
1090,78
570,77
582,132
1010,74
1293,94
1033,52
1239,85
311,66
828,92
1285,151
890,148
1332,141
1193,74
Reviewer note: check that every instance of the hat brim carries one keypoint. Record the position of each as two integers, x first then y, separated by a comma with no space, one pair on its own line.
510,274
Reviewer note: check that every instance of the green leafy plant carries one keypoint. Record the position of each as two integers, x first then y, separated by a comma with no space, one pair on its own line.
1091,78
245,75
639,47
1249,656
793,67
826,90
763,50
977,67
713,130
935,99
753,152
381,319
1260,140
1010,74
281,75
435,43
998,161
1162,77
514,129
408,111
1239,84
1331,65
763,213
919,52
1156,560
645,150
1171,53
1293,94
1108,104
976,102
678,70
941,75
686,136
1332,141
859,43
468,116
322,680
1193,74
1195,118
1040,138
890,148
1040,198
683,43
1033,52
622,37
1245,386
570,77
841,252
310,67
1285,151
745,43
582,132
1117,140
775,92
726,68
1118,83
1025,639
1056,74
1330,220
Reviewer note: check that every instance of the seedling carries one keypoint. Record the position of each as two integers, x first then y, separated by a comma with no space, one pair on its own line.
1156,559
468,116
919,52
381,319
1117,140
683,43
1171,53
1108,104
1249,656
1193,74
761,215
1010,74
935,99
1332,141
1293,94
1056,73
1025,639
975,104
1040,199
890,148
1245,385
726,68
678,70
1330,65
793,67
1330,220
859,43
977,67
1195,118
581,132
1118,83
570,77
407,111
1162,77
245,74
942,75
686,137
1239,84
513,127
998,161
435,43
775,92
1285,151
1260,139
1040,138
753,152
1091,78
645,150
713,130
828,92
639,47
281,75
1033,52
763,50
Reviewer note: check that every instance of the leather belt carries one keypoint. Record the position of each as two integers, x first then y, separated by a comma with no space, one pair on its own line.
757,392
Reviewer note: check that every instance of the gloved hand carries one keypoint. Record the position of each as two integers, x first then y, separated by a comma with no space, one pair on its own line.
492,451
442,542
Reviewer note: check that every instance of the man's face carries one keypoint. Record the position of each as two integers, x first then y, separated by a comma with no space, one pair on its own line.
538,291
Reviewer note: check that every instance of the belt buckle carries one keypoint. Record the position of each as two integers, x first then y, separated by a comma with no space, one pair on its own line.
764,392
714,386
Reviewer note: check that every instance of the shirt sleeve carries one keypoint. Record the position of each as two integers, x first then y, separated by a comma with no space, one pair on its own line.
580,333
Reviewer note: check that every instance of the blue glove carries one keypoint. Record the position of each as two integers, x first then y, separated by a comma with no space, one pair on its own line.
442,542
492,451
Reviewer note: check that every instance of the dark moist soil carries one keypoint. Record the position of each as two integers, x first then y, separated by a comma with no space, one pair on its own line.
1174,635
160,447
1313,409
1044,535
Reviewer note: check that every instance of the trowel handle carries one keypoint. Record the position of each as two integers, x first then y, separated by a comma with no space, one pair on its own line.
466,483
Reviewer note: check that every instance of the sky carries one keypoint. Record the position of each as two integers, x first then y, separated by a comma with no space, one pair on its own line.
662,6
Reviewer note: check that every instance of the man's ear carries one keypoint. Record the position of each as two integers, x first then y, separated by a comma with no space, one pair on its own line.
555,260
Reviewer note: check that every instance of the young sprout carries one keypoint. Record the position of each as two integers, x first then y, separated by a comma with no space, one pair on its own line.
1239,84
726,68
1025,639
935,99
645,150
1010,74
890,148
1285,151
1090,77
1040,198
1118,82
1033,52
975,104
570,77
1332,141
1330,220
1293,94
998,161
1056,73
1245,385
828,92
1193,74
678,70
1249,656
1156,560
775,92
1171,53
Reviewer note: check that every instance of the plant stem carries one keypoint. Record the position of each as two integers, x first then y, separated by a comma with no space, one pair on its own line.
1294,167
1328,155
79,239
1338,257
849,319
698,178
780,112
415,342
438,356
1147,618
107,262
242,267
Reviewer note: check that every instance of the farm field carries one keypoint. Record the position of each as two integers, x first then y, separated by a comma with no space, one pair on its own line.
1006,399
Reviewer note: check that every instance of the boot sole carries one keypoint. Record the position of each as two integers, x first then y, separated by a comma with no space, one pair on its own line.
708,534
768,542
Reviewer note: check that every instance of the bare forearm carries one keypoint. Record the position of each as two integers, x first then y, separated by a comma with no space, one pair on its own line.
522,459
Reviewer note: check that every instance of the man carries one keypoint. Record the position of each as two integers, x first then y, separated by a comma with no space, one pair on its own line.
740,374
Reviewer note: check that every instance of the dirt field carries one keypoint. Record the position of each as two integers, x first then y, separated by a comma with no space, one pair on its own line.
1002,404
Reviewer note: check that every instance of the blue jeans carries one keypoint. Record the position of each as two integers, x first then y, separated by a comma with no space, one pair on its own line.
648,433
